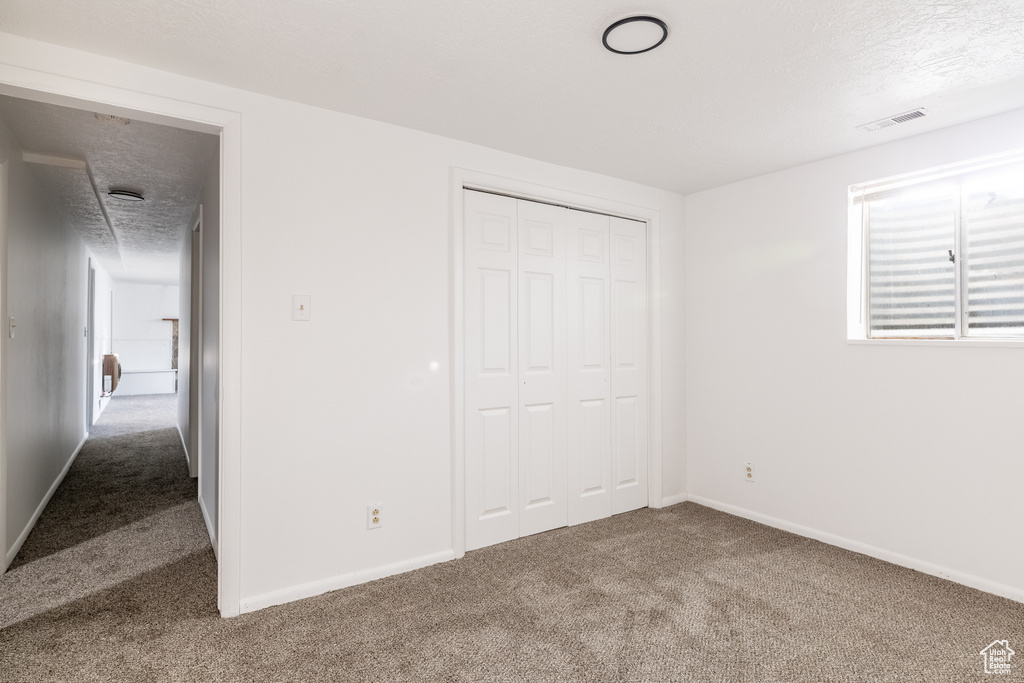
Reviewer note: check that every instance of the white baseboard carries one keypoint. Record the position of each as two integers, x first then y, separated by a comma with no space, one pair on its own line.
104,401
210,529
13,552
312,588
674,500
969,580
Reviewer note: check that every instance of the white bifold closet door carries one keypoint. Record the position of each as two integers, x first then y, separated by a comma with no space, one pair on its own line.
590,368
607,297
629,365
555,353
542,390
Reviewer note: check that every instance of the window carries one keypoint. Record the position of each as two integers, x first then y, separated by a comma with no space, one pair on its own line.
941,253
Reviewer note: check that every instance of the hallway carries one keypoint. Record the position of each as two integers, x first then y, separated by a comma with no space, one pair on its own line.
126,510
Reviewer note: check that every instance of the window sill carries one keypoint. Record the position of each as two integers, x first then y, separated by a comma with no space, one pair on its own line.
990,343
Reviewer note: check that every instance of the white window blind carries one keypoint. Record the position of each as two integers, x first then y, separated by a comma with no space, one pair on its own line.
945,252
912,281
993,262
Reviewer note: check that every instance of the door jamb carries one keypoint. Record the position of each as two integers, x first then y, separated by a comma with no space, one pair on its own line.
4,201
90,345
195,352
462,179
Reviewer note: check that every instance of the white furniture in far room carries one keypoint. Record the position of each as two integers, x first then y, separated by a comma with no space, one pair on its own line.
136,382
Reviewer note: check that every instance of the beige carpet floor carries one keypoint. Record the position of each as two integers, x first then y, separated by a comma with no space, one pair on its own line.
680,594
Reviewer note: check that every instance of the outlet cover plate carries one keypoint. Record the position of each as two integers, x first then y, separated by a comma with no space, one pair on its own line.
374,516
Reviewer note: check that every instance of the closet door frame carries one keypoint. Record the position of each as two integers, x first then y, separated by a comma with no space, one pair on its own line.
465,179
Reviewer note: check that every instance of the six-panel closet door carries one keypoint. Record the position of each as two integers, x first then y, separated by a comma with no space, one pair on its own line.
555,367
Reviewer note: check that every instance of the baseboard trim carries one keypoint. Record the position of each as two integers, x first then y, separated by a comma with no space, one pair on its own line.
188,459
674,500
312,588
209,527
13,552
969,580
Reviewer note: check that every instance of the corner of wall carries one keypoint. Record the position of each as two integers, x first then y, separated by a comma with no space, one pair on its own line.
674,354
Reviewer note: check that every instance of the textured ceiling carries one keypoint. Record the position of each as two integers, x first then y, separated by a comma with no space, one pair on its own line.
741,87
132,240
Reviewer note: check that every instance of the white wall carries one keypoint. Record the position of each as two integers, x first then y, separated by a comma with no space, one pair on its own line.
909,452
102,335
344,410
672,295
45,364
142,338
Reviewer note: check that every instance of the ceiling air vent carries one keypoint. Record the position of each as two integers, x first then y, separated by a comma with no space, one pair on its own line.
110,118
893,120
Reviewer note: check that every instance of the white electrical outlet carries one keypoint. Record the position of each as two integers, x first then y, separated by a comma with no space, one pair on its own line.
748,471
374,516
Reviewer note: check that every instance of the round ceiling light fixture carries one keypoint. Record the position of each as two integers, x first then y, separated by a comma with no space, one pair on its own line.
633,35
126,195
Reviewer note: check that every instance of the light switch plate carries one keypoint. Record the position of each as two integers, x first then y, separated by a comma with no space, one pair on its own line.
301,307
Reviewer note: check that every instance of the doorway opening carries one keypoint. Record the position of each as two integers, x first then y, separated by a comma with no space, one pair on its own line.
119,274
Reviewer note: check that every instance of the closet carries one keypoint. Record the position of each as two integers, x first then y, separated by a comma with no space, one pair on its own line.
556,379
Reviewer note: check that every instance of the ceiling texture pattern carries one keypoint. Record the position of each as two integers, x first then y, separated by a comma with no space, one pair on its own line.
138,241
740,88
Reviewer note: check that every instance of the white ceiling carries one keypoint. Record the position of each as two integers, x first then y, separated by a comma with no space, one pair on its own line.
138,241
740,88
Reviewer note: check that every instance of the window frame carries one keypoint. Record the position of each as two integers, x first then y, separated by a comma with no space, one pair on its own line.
858,249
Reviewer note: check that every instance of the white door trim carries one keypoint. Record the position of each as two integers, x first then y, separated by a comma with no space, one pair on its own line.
195,351
462,178
4,165
90,344
74,92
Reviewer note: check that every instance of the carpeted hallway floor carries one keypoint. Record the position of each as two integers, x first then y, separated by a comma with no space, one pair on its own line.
126,507
117,583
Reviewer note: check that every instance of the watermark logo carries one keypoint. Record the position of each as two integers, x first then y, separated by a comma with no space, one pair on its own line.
997,657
